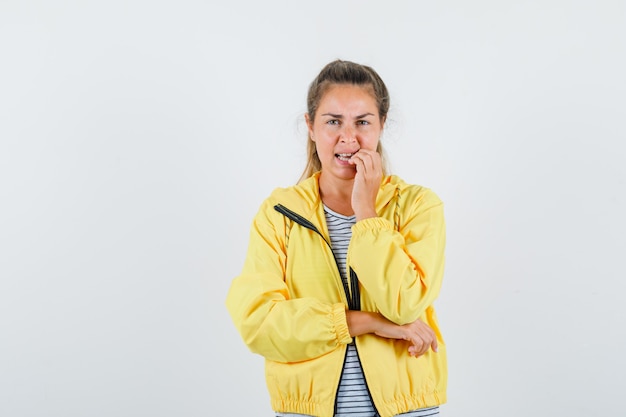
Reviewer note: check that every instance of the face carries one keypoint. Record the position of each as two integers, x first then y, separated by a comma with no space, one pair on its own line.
347,120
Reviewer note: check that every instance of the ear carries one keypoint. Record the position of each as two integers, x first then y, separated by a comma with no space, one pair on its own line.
309,125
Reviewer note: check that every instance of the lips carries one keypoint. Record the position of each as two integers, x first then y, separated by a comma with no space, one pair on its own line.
345,156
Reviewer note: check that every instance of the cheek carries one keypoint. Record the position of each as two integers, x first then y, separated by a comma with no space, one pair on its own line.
324,136
324,130
371,143
323,145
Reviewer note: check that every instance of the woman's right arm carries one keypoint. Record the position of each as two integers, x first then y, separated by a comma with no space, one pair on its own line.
419,335
270,321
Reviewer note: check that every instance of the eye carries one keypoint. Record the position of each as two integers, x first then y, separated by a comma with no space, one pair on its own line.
362,122
332,122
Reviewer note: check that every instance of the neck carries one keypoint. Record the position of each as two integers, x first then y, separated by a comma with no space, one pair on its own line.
337,194
336,187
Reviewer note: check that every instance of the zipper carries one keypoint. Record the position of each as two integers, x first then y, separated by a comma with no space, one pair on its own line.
367,386
343,368
353,297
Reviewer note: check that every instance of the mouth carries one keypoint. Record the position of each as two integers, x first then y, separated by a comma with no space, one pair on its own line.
345,156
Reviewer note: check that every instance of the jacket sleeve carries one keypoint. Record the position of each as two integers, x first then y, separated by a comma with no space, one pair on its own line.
401,270
270,321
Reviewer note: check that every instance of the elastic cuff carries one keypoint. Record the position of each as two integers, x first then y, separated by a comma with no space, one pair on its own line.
373,223
341,324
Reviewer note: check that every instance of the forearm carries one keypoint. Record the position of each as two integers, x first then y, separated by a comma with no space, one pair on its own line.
418,334
362,322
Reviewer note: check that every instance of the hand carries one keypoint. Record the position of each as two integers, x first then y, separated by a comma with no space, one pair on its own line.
369,174
418,334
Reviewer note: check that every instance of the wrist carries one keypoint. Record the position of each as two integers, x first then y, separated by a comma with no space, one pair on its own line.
361,322
365,214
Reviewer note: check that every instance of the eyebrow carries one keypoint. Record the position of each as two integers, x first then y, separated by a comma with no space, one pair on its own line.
339,116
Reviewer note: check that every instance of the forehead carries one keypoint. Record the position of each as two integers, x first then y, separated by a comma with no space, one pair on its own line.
349,96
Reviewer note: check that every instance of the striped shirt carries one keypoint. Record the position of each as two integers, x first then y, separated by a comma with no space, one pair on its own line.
353,398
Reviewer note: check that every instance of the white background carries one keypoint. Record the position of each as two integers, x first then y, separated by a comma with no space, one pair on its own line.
138,138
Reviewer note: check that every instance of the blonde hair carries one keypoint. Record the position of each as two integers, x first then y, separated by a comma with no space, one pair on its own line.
343,72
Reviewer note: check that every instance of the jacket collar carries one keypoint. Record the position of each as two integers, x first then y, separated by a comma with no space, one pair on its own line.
304,198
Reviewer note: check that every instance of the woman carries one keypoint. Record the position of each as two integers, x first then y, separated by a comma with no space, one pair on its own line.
342,270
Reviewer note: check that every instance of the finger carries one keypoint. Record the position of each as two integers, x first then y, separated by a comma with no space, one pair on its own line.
369,159
426,340
358,163
416,351
434,344
364,151
430,343
372,156
423,349
419,347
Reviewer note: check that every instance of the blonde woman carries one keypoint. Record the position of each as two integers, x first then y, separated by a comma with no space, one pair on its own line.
342,270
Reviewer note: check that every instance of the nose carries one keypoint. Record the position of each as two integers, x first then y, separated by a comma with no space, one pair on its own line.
347,134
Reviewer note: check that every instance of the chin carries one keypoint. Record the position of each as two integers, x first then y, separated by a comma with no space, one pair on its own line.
346,175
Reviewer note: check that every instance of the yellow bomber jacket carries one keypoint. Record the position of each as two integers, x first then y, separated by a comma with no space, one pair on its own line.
289,303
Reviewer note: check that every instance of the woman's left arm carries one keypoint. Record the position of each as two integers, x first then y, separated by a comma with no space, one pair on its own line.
401,270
